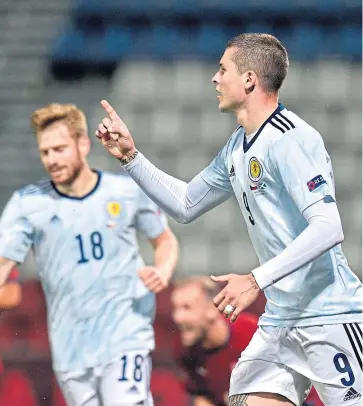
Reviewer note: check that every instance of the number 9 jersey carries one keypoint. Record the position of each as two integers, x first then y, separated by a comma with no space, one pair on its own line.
276,174
87,258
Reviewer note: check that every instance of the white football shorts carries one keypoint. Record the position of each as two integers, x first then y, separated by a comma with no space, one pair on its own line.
287,361
125,382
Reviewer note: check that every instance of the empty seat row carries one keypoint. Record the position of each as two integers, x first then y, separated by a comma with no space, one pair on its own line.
214,9
163,42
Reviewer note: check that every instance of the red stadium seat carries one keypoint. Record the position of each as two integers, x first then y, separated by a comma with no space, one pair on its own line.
167,389
16,389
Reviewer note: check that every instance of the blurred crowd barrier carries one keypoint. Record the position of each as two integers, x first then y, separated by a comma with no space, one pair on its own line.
154,60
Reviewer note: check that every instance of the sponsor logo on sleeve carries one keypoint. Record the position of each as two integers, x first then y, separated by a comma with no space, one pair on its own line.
315,182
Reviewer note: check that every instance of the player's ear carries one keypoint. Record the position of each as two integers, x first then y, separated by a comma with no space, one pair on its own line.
84,145
250,81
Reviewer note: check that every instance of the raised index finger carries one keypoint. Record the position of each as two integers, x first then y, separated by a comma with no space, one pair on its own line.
110,110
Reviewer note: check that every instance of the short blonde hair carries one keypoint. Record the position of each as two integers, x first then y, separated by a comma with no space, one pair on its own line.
205,283
71,115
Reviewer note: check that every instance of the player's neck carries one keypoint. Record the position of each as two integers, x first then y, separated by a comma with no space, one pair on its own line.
217,335
82,185
253,114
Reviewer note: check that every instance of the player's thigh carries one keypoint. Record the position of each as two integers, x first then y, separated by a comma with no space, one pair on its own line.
259,399
261,369
274,381
335,360
126,381
79,389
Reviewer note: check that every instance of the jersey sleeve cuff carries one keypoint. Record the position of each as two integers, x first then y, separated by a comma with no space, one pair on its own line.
262,278
13,256
134,162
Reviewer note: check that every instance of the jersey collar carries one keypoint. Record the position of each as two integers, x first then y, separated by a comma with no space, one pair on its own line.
248,145
99,175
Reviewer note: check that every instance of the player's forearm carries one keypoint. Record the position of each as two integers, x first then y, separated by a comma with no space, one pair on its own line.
323,233
166,254
6,265
10,295
182,201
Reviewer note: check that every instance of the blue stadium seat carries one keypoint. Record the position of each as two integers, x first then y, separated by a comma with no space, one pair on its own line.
119,42
212,40
217,10
111,30
111,10
189,9
105,46
351,42
305,43
339,9
69,46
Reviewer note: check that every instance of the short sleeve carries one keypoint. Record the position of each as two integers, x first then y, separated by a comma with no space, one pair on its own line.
217,174
301,164
150,220
16,231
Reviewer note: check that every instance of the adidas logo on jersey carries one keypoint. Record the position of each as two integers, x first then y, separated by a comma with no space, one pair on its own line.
133,389
232,172
352,394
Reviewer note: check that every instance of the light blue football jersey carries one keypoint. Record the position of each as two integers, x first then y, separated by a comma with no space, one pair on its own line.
275,176
87,256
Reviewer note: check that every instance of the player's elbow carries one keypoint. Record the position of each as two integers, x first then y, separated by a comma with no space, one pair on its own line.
336,234
184,218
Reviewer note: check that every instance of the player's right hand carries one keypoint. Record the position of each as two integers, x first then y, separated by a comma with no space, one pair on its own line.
114,134
153,278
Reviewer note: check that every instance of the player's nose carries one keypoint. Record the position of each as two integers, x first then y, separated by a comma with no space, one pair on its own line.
177,317
215,78
51,158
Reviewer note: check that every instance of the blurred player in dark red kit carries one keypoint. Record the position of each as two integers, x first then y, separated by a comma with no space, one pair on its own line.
15,387
209,345
10,296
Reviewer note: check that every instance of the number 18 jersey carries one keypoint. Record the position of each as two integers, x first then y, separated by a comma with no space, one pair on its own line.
87,257
281,171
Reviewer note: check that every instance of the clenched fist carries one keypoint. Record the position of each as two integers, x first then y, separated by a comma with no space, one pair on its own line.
153,278
115,136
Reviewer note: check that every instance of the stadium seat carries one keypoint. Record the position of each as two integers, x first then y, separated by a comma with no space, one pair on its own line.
212,34
16,390
167,389
306,42
351,42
